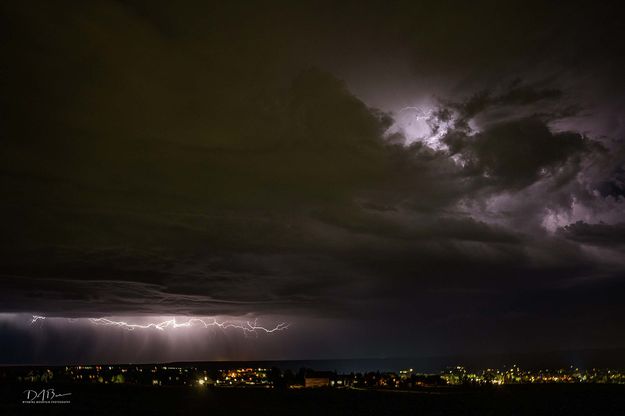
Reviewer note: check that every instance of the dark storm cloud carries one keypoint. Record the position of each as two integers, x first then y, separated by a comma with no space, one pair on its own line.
515,154
611,235
160,159
514,95
613,181
165,154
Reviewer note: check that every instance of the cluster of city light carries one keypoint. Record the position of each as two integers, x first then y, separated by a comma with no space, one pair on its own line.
407,379
245,326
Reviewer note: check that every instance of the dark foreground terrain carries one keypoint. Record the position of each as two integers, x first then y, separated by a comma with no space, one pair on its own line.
507,400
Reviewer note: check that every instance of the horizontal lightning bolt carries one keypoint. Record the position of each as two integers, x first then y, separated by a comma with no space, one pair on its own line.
206,323
246,327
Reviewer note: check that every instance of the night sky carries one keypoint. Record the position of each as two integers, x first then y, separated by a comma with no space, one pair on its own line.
388,178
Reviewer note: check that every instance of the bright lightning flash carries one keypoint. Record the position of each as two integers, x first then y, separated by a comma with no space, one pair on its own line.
172,323
418,124
247,327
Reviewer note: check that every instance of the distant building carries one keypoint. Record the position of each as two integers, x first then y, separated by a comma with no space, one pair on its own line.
316,382
406,374
318,379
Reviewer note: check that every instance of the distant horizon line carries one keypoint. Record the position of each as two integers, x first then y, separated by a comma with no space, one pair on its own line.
456,356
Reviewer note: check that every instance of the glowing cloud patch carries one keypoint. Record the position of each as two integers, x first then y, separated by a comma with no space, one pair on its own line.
418,124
